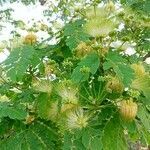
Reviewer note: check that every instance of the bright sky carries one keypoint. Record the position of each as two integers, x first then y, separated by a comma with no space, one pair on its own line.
29,14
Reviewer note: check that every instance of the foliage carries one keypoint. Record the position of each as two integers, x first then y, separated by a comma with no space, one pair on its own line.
81,73
76,93
19,61
13,112
39,135
26,2
75,34
120,67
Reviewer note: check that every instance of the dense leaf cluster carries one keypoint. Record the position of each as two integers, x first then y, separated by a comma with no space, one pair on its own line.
68,95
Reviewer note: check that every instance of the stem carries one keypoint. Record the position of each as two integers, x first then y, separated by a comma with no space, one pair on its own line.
100,88
86,91
122,45
9,83
94,91
100,94
98,107
83,97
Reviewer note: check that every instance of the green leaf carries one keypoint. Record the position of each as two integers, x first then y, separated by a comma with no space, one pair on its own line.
143,6
72,141
146,7
124,72
19,24
144,116
92,62
113,59
19,60
91,139
77,76
12,112
129,2
105,114
5,126
142,84
112,137
75,34
38,136
146,136
26,96
43,105
67,141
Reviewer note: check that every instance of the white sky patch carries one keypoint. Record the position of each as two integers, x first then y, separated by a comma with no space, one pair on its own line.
34,13
147,60
130,51
126,47
4,55
5,33
28,14
121,26
116,44
42,35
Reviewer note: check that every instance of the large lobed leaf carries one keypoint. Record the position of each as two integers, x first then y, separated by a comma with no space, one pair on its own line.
91,139
19,60
85,139
142,83
124,72
92,62
12,112
43,105
39,136
75,34
112,137
144,116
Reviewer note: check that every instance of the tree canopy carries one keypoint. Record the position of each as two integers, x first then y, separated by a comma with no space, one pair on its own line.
85,91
